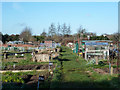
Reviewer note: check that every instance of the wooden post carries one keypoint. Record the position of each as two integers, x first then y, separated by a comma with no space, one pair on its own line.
111,72
96,58
5,55
34,57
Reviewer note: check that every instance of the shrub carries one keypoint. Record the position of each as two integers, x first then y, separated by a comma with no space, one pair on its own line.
101,63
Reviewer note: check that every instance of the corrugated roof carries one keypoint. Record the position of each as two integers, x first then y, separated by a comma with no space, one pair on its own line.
96,41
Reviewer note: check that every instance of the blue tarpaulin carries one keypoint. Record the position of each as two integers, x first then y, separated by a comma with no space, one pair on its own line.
42,43
96,43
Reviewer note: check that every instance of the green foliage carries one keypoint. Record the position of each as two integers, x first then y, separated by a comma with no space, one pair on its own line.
7,37
19,56
12,77
101,63
39,38
99,38
14,37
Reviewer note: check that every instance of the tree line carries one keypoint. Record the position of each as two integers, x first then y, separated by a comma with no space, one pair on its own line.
59,33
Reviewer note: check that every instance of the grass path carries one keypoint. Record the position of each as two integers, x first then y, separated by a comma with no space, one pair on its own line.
74,73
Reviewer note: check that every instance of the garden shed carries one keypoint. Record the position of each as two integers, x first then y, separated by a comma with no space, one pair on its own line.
96,50
41,58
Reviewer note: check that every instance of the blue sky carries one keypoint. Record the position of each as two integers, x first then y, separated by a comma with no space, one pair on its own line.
98,17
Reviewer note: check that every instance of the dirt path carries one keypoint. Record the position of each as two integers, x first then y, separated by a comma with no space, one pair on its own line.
15,71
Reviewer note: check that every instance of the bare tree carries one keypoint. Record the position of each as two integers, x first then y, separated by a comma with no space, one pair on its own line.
26,35
58,29
81,32
52,30
69,30
64,29
115,37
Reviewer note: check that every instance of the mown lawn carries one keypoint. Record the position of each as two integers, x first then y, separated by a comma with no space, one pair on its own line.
72,72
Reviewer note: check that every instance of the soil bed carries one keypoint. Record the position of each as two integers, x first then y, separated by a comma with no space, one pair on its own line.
27,67
106,70
30,82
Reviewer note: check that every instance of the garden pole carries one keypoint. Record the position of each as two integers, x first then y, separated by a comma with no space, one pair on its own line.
110,67
38,84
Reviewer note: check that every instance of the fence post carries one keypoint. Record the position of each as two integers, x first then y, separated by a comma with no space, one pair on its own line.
111,70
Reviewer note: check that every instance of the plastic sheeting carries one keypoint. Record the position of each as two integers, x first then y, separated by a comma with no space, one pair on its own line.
96,43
